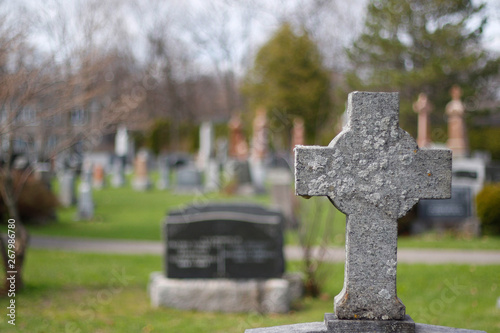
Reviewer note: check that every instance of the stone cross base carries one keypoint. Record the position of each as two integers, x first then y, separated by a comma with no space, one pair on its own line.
333,325
225,295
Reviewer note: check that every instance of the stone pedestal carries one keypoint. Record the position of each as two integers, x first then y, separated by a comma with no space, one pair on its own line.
332,325
335,325
224,295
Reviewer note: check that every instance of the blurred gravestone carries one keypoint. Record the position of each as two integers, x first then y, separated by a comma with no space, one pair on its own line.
445,214
224,257
457,136
282,195
85,202
86,174
188,178
207,144
43,173
98,180
67,195
259,151
121,152
164,173
212,176
141,179
423,107
118,179
224,240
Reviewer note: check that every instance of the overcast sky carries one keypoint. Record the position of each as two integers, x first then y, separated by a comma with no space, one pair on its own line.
260,16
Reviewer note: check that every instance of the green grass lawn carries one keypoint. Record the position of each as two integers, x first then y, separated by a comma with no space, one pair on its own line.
74,292
122,213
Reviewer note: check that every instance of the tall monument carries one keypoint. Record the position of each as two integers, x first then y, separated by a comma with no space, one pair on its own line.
423,107
298,132
457,137
238,147
259,150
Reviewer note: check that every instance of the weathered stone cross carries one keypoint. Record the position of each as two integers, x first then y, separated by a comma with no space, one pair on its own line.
374,172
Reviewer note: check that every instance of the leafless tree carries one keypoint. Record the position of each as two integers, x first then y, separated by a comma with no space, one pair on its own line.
44,93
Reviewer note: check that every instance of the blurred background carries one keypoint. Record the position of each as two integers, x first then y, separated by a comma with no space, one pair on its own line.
114,112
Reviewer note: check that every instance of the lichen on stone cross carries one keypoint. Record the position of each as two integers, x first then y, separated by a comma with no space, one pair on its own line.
374,172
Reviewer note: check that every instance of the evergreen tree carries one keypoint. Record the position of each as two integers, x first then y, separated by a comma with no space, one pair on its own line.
422,46
288,79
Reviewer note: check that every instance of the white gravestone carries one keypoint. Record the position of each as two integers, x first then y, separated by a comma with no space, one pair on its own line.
85,202
121,151
67,196
207,150
259,150
121,142
212,176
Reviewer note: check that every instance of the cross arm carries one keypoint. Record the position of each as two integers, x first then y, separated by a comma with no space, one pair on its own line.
312,174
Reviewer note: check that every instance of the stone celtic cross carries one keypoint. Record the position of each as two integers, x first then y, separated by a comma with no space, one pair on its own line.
374,172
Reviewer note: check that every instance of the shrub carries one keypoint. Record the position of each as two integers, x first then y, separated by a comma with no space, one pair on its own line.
36,203
488,209
165,135
159,136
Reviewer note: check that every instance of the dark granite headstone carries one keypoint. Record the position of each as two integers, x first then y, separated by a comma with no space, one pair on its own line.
238,241
458,207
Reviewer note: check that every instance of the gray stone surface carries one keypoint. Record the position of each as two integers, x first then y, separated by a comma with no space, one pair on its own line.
334,325
320,327
374,172
225,295
314,327
424,328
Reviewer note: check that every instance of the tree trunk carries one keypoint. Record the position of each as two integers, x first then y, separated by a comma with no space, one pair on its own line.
21,235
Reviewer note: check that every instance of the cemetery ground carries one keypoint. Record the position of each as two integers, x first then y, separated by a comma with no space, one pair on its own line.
82,292
123,213
76,292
